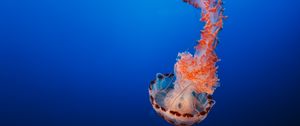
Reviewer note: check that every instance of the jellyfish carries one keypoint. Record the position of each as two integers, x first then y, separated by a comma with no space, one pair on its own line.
184,98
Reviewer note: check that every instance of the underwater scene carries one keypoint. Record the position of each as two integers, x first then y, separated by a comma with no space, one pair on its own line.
149,62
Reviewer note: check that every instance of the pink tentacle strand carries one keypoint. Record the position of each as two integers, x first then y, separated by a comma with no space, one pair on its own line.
200,69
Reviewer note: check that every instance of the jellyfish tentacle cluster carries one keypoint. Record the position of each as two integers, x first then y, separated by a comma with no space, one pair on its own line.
185,98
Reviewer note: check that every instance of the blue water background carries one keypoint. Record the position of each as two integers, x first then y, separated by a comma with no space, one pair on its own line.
89,62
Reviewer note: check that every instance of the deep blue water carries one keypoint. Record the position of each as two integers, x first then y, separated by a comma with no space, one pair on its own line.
89,62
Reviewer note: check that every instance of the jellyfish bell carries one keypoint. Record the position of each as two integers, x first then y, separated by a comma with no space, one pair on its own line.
180,105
